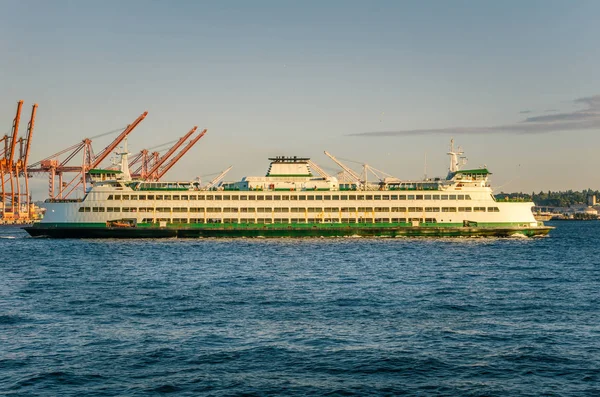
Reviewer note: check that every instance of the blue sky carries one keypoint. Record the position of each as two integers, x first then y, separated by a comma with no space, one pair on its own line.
296,78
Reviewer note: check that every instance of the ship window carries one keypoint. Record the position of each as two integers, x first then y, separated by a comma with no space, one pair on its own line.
313,209
163,209
366,220
213,210
97,209
298,209
243,197
398,209
335,197
218,197
110,197
277,197
382,209
268,197
493,209
377,197
196,209
129,209
310,197
263,210
365,209
125,197
282,210
419,197
196,220
201,197
246,209
285,197
464,209
193,197
117,197
415,209
394,197
184,197
113,209
260,197
430,220
435,196
229,220
369,197
176,197
225,197
461,196
263,220
179,220
344,197
385,197
402,197
348,209
294,197
319,197
209,197
467,197
411,196
302,197
252,197
478,209
159,196
452,197
151,197
180,209
444,197
448,209
142,197
332,209
84,209
398,220
382,220
327,197
427,197
432,209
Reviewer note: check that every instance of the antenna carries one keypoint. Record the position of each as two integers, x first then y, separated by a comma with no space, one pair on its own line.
425,170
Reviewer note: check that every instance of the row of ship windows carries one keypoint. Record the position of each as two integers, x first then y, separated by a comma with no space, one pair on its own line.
288,220
283,197
300,210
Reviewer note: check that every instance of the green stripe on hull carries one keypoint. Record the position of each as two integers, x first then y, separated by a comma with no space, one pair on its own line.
278,230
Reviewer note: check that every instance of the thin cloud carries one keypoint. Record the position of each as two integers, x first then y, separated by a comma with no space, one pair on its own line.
584,119
525,111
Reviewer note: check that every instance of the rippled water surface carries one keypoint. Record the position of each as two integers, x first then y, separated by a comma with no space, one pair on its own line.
493,317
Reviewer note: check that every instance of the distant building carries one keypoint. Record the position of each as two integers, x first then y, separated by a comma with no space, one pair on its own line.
591,200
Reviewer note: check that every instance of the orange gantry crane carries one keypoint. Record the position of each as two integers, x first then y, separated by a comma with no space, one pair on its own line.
162,165
54,167
13,160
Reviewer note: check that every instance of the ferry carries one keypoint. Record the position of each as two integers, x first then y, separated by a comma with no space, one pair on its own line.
292,200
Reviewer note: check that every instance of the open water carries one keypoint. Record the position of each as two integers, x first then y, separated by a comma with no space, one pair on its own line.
493,317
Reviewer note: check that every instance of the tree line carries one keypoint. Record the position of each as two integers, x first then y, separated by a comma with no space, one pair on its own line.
552,199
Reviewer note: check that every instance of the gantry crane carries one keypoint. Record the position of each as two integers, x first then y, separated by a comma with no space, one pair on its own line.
158,172
7,167
53,167
319,170
22,162
355,177
217,179
152,173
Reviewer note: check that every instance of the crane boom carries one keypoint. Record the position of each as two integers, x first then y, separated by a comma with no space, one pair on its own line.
318,169
216,179
156,166
175,159
25,156
15,132
345,168
108,150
